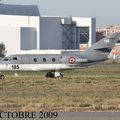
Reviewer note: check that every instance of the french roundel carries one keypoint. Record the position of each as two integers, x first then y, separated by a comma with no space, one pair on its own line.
72,60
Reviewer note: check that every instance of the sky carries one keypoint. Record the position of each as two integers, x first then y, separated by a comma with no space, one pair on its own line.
106,12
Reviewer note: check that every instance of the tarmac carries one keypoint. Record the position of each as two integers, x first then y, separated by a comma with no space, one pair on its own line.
89,116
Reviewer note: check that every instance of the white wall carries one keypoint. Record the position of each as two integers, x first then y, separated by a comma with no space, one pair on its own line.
35,23
8,25
10,36
13,21
81,22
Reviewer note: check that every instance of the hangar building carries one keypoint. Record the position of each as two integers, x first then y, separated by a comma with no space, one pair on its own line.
22,28
66,32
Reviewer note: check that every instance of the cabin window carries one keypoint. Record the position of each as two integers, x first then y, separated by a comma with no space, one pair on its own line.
35,59
14,58
53,59
44,59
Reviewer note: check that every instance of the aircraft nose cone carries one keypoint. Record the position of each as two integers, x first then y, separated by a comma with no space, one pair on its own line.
2,67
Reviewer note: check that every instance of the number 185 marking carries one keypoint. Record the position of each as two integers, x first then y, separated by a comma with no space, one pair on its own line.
15,67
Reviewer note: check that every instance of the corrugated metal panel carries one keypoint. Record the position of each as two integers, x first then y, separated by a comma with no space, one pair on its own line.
25,10
28,38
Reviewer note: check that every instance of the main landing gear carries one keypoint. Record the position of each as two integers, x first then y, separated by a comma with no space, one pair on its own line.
54,75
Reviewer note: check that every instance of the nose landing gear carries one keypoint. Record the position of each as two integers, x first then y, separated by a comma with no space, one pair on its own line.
2,76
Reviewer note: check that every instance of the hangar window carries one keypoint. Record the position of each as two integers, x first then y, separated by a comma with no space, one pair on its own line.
44,59
35,59
53,59
14,58
82,35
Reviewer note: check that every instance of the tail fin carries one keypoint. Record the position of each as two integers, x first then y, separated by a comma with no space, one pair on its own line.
101,49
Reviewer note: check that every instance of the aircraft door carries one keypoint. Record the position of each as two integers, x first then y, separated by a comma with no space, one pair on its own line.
63,59
25,60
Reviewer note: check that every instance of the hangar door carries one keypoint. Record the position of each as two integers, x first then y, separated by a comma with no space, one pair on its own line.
28,40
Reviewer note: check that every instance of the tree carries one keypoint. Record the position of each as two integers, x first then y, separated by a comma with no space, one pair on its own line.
2,50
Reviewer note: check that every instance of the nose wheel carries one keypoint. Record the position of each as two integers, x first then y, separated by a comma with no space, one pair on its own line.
54,75
2,76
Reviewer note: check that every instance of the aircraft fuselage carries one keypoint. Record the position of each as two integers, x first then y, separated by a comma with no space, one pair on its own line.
37,62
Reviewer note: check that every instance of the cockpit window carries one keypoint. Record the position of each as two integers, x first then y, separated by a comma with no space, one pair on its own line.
14,58
7,59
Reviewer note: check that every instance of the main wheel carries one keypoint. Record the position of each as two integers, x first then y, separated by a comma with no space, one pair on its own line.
50,75
61,75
